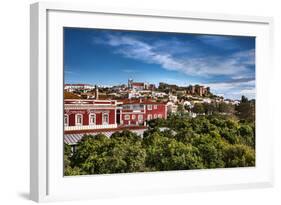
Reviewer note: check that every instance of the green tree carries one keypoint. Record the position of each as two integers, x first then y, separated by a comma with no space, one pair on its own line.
206,141
247,133
158,122
101,155
68,169
246,110
210,149
226,108
238,156
169,154
209,108
198,108
181,109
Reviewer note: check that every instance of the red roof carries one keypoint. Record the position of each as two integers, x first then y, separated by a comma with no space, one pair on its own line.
137,84
82,101
139,101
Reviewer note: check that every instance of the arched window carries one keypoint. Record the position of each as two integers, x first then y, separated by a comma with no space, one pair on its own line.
78,119
140,117
105,118
92,119
65,120
133,117
127,117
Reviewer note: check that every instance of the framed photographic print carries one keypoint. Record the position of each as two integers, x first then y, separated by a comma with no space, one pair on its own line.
127,102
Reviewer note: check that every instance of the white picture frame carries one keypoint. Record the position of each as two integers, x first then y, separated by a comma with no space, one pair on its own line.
47,182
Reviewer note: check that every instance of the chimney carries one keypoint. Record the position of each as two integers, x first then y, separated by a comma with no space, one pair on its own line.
96,92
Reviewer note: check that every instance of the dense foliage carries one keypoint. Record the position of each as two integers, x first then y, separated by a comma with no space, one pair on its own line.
207,141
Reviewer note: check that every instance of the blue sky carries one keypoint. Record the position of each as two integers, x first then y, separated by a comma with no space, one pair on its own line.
110,57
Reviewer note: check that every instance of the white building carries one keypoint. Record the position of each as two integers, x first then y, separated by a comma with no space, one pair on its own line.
187,103
72,87
134,94
171,107
207,100
159,94
173,98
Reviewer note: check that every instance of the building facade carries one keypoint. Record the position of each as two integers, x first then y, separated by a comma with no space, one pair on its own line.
140,111
172,107
89,114
109,114
198,90
139,86
73,87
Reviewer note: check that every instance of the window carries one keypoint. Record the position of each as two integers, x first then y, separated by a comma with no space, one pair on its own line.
140,117
155,107
105,118
79,119
155,116
127,117
126,107
65,120
92,119
159,116
149,117
149,107
137,107
133,117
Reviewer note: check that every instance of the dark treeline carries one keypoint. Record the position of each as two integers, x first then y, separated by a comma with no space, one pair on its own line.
207,141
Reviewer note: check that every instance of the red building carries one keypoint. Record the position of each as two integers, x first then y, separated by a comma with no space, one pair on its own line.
108,114
137,112
138,86
89,114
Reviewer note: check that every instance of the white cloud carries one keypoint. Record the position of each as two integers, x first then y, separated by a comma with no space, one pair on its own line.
178,56
231,84
249,93
158,53
234,90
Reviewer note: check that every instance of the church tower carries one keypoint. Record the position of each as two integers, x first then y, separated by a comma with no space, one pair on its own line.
130,82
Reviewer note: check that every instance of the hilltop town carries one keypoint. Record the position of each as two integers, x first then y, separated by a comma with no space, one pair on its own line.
131,118
174,96
107,109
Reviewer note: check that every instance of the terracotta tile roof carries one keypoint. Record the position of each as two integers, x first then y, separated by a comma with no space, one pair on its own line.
87,101
139,101
137,84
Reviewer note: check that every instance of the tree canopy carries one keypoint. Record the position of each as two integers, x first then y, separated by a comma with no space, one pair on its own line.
206,141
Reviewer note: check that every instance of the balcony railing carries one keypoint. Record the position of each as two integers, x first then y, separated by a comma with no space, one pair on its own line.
90,127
